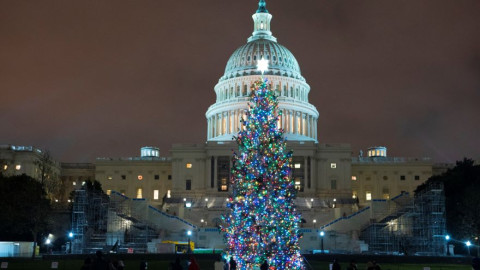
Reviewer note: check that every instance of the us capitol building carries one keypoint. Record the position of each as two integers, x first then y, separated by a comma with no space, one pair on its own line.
192,182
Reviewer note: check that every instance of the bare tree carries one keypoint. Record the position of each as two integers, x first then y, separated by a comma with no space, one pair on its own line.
47,173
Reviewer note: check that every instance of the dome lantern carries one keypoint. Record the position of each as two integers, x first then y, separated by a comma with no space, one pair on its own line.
261,23
262,7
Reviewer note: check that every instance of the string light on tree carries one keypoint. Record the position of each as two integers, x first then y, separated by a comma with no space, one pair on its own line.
263,223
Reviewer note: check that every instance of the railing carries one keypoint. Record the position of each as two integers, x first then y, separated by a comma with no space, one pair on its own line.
344,218
389,159
77,165
135,159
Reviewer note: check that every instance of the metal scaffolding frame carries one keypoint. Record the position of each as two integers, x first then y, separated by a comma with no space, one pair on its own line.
118,223
410,225
89,221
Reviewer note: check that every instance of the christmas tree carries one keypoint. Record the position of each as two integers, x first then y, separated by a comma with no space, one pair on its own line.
263,223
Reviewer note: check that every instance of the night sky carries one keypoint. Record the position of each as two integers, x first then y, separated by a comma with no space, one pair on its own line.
87,79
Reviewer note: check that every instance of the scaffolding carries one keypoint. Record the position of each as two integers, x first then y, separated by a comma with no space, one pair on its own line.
120,224
429,223
128,224
410,225
388,231
79,221
89,221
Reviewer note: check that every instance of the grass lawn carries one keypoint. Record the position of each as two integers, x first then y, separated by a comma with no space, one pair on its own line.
207,265
399,266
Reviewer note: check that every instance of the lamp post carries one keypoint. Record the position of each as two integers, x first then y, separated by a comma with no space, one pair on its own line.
70,237
468,244
48,242
447,238
189,233
322,234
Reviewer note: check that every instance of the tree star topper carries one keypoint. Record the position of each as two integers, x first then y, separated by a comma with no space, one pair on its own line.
262,65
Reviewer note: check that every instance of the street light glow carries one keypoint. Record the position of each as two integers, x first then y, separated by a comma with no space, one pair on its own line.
447,237
322,233
189,233
468,243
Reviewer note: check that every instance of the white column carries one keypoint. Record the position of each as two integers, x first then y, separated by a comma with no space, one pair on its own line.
208,128
302,124
214,125
227,123
220,123
223,126
235,118
310,123
289,127
295,122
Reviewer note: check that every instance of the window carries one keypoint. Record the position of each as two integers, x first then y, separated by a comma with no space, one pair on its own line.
5,167
189,165
333,184
169,177
109,191
140,177
299,174
109,177
298,184
333,165
18,167
169,193
368,196
188,184
417,177
124,177
224,184
402,177
386,193
354,178
223,172
385,177
139,193
156,177
155,194
354,194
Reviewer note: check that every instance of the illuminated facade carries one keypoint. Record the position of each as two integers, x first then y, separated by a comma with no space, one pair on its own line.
331,183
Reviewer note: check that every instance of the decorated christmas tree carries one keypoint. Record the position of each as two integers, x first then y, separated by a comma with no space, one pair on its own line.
263,224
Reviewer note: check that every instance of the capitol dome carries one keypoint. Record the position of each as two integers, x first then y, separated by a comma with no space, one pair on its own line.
244,60
298,118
